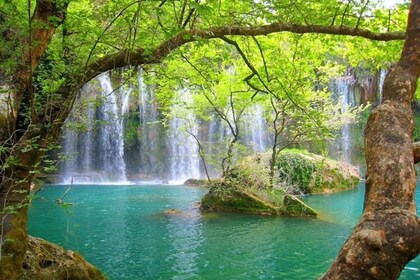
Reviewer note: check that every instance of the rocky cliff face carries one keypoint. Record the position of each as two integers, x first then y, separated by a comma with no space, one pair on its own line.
46,261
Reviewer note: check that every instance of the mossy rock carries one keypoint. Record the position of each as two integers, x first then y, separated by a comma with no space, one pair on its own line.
304,172
221,199
225,197
45,261
196,182
247,188
296,172
295,207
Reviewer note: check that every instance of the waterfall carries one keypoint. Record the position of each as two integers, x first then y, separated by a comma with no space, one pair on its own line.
125,138
212,128
381,80
158,152
77,145
126,94
351,91
343,88
184,159
87,140
111,134
69,150
150,152
96,154
256,129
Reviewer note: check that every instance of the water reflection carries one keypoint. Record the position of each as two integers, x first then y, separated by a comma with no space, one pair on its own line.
186,237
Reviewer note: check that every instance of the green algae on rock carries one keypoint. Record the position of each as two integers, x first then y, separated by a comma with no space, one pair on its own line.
304,172
197,182
252,201
45,261
247,187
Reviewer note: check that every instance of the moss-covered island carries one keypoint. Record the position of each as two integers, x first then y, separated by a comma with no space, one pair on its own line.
248,187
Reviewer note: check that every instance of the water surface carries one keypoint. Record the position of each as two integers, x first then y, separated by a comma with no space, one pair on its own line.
125,231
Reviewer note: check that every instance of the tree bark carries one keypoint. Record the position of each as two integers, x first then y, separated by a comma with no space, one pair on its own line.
16,178
38,41
137,57
388,235
35,44
14,199
416,150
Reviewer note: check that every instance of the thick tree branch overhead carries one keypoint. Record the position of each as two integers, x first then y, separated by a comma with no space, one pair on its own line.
139,56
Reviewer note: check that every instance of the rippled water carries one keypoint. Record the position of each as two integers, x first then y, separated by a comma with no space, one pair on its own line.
125,231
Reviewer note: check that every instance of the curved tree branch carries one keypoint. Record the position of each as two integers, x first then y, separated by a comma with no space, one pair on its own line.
106,29
246,60
137,57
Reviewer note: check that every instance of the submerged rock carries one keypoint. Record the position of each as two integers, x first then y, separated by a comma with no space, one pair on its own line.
247,188
173,211
45,261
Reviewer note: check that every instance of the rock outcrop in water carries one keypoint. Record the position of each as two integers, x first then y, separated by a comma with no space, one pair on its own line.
229,197
45,261
247,187
301,172
197,182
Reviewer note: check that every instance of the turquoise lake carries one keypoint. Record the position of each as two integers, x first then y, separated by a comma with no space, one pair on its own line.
125,232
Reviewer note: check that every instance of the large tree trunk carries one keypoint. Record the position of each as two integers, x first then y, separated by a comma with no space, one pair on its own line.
388,235
15,191
24,148
39,37
14,201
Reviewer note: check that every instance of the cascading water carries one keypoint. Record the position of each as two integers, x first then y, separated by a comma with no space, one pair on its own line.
211,132
163,154
256,129
352,91
151,146
381,80
96,154
125,93
213,140
343,88
86,139
184,159
69,149
125,138
111,134
78,144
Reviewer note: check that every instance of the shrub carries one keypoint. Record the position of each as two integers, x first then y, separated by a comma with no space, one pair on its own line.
295,170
